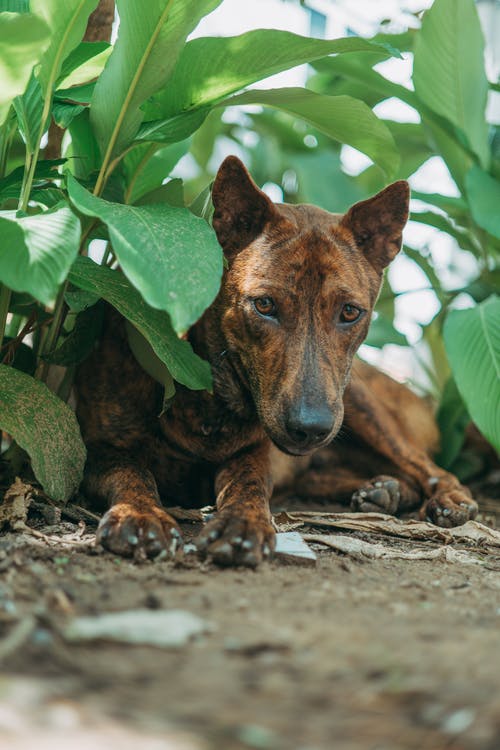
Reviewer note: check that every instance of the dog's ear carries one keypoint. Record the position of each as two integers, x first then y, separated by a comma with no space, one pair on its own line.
240,209
377,223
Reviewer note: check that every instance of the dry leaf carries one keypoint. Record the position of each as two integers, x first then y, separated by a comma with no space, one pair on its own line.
358,548
15,504
380,523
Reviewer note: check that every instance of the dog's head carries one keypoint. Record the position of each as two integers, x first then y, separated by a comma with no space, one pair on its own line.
297,298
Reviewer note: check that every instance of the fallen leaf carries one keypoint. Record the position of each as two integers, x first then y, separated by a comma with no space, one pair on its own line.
380,523
358,548
15,505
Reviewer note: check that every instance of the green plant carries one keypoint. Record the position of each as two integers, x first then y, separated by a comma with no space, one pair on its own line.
130,112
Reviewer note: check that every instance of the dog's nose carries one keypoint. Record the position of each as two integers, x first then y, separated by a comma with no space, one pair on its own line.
307,426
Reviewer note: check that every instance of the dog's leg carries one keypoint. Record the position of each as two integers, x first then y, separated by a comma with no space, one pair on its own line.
135,523
242,531
446,501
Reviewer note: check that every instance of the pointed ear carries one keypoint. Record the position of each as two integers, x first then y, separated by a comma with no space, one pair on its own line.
240,209
377,223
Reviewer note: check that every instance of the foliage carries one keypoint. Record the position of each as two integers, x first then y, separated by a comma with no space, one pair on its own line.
130,112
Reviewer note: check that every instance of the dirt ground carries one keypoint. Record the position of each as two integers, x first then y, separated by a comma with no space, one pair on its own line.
351,654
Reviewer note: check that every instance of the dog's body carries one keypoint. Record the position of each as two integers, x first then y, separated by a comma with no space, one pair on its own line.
293,309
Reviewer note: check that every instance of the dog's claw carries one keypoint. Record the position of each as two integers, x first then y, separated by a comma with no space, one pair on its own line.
236,540
451,507
381,495
140,534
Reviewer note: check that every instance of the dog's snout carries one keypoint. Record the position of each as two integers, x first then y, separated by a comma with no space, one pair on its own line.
308,426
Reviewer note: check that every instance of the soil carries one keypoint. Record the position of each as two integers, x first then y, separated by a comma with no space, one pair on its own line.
349,654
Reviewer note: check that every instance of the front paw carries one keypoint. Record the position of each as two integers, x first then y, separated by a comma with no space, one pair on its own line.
381,495
130,532
234,538
452,507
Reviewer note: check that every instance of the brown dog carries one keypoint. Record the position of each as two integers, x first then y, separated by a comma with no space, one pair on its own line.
293,308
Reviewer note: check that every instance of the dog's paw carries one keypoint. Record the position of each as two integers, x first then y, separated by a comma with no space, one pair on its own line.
231,539
448,508
132,533
381,495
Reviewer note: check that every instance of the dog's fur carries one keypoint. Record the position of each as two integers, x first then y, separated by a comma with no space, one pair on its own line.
280,338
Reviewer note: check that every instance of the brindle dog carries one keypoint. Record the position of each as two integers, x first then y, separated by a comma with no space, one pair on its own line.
294,306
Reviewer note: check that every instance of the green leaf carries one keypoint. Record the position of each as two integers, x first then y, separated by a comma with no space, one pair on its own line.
424,262
64,113
172,192
85,63
149,40
353,75
383,332
438,221
145,355
171,256
452,418
29,110
483,195
146,166
211,68
78,299
46,428
185,366
455,207
472,339
37,251
67,22
448,70
83,152
343,118
23,39
15,6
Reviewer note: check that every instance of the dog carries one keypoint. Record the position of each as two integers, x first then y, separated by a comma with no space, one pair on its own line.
293,308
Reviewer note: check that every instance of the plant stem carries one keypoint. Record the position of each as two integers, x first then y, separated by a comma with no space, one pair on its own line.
49,342
5,294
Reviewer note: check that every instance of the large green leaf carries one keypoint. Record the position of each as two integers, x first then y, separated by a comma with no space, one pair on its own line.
171,256
211,68
146,166
448,70
472,339
37,251
46,428
150,37
83,151
23,38
67,22
185,366
85,63
29,110
483,195
353,75
343,118
346,119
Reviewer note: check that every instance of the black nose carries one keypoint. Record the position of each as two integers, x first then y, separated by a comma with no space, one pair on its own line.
309,425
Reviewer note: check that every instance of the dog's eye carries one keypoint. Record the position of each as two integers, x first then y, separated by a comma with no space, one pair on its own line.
265,306
349,314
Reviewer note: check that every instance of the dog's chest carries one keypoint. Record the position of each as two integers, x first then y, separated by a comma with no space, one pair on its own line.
200,426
